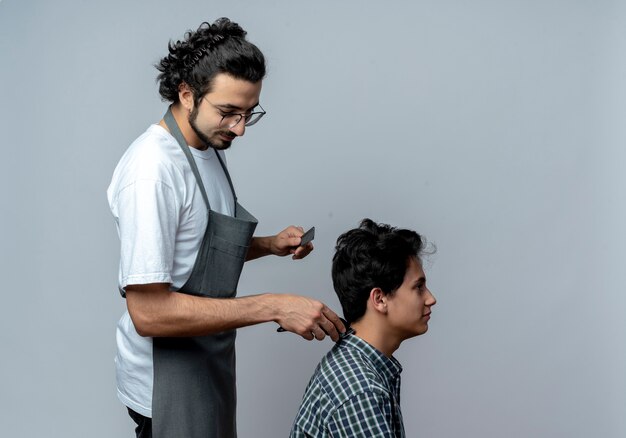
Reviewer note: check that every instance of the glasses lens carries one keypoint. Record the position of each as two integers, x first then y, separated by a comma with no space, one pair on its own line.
253,118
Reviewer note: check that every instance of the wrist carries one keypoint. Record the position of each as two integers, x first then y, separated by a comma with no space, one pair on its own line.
270,307
265,245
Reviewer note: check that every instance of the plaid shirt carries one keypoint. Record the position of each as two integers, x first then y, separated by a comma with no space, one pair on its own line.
354,392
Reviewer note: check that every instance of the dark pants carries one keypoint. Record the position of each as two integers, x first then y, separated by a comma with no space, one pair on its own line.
144,424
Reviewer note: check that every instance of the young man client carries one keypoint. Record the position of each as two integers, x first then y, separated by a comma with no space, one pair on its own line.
355,390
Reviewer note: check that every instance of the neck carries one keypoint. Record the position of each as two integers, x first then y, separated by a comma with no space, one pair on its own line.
182,120
374,334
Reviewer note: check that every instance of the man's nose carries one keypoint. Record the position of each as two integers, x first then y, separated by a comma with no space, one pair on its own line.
239,128
431,301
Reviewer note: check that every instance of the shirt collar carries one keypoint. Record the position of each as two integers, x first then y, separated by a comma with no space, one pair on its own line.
389,366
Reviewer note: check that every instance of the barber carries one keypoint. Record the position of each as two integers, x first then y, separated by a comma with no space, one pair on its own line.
184,240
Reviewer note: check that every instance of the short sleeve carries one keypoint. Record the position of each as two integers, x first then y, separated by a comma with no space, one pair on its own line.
148,216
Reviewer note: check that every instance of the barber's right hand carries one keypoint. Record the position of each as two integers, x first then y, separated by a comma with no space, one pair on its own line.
307,317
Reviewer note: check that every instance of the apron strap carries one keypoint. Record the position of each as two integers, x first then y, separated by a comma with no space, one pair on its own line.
230,182
180,139
170,122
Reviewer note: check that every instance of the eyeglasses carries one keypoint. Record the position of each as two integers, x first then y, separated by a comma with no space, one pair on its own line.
230,120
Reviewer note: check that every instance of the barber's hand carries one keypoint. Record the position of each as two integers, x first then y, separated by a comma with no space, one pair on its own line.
308,318
287,242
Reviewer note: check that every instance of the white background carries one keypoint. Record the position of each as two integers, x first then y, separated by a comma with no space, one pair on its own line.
494,128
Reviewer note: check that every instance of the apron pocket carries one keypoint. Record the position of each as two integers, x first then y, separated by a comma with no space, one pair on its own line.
227,247
225,262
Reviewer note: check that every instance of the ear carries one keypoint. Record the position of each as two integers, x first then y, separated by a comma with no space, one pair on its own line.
185,96
378,300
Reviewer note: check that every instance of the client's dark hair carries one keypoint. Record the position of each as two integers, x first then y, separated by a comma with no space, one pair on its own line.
215,48
373,255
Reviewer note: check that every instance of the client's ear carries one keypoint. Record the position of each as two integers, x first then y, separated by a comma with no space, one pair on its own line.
378,300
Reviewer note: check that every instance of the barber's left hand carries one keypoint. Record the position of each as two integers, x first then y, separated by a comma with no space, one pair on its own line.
288,242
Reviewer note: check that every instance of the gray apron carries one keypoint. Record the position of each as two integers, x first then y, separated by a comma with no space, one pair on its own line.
194,393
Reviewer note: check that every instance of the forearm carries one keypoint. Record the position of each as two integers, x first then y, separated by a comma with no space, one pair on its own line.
161,312
284,243
158,312
259,247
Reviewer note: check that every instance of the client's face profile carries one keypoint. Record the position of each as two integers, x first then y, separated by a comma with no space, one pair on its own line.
409,308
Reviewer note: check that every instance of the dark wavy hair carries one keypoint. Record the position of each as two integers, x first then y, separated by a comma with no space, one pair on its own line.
373,255
215,48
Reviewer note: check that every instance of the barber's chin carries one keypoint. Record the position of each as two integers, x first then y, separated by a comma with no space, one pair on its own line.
219,143
222,144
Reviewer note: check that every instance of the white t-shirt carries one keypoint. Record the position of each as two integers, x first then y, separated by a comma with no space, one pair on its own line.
161,218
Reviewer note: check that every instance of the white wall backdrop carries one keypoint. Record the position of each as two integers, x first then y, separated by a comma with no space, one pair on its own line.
495,128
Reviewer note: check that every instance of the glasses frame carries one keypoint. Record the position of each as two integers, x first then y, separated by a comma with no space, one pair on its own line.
249,120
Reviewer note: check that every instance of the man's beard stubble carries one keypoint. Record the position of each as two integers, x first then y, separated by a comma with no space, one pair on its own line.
207,143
